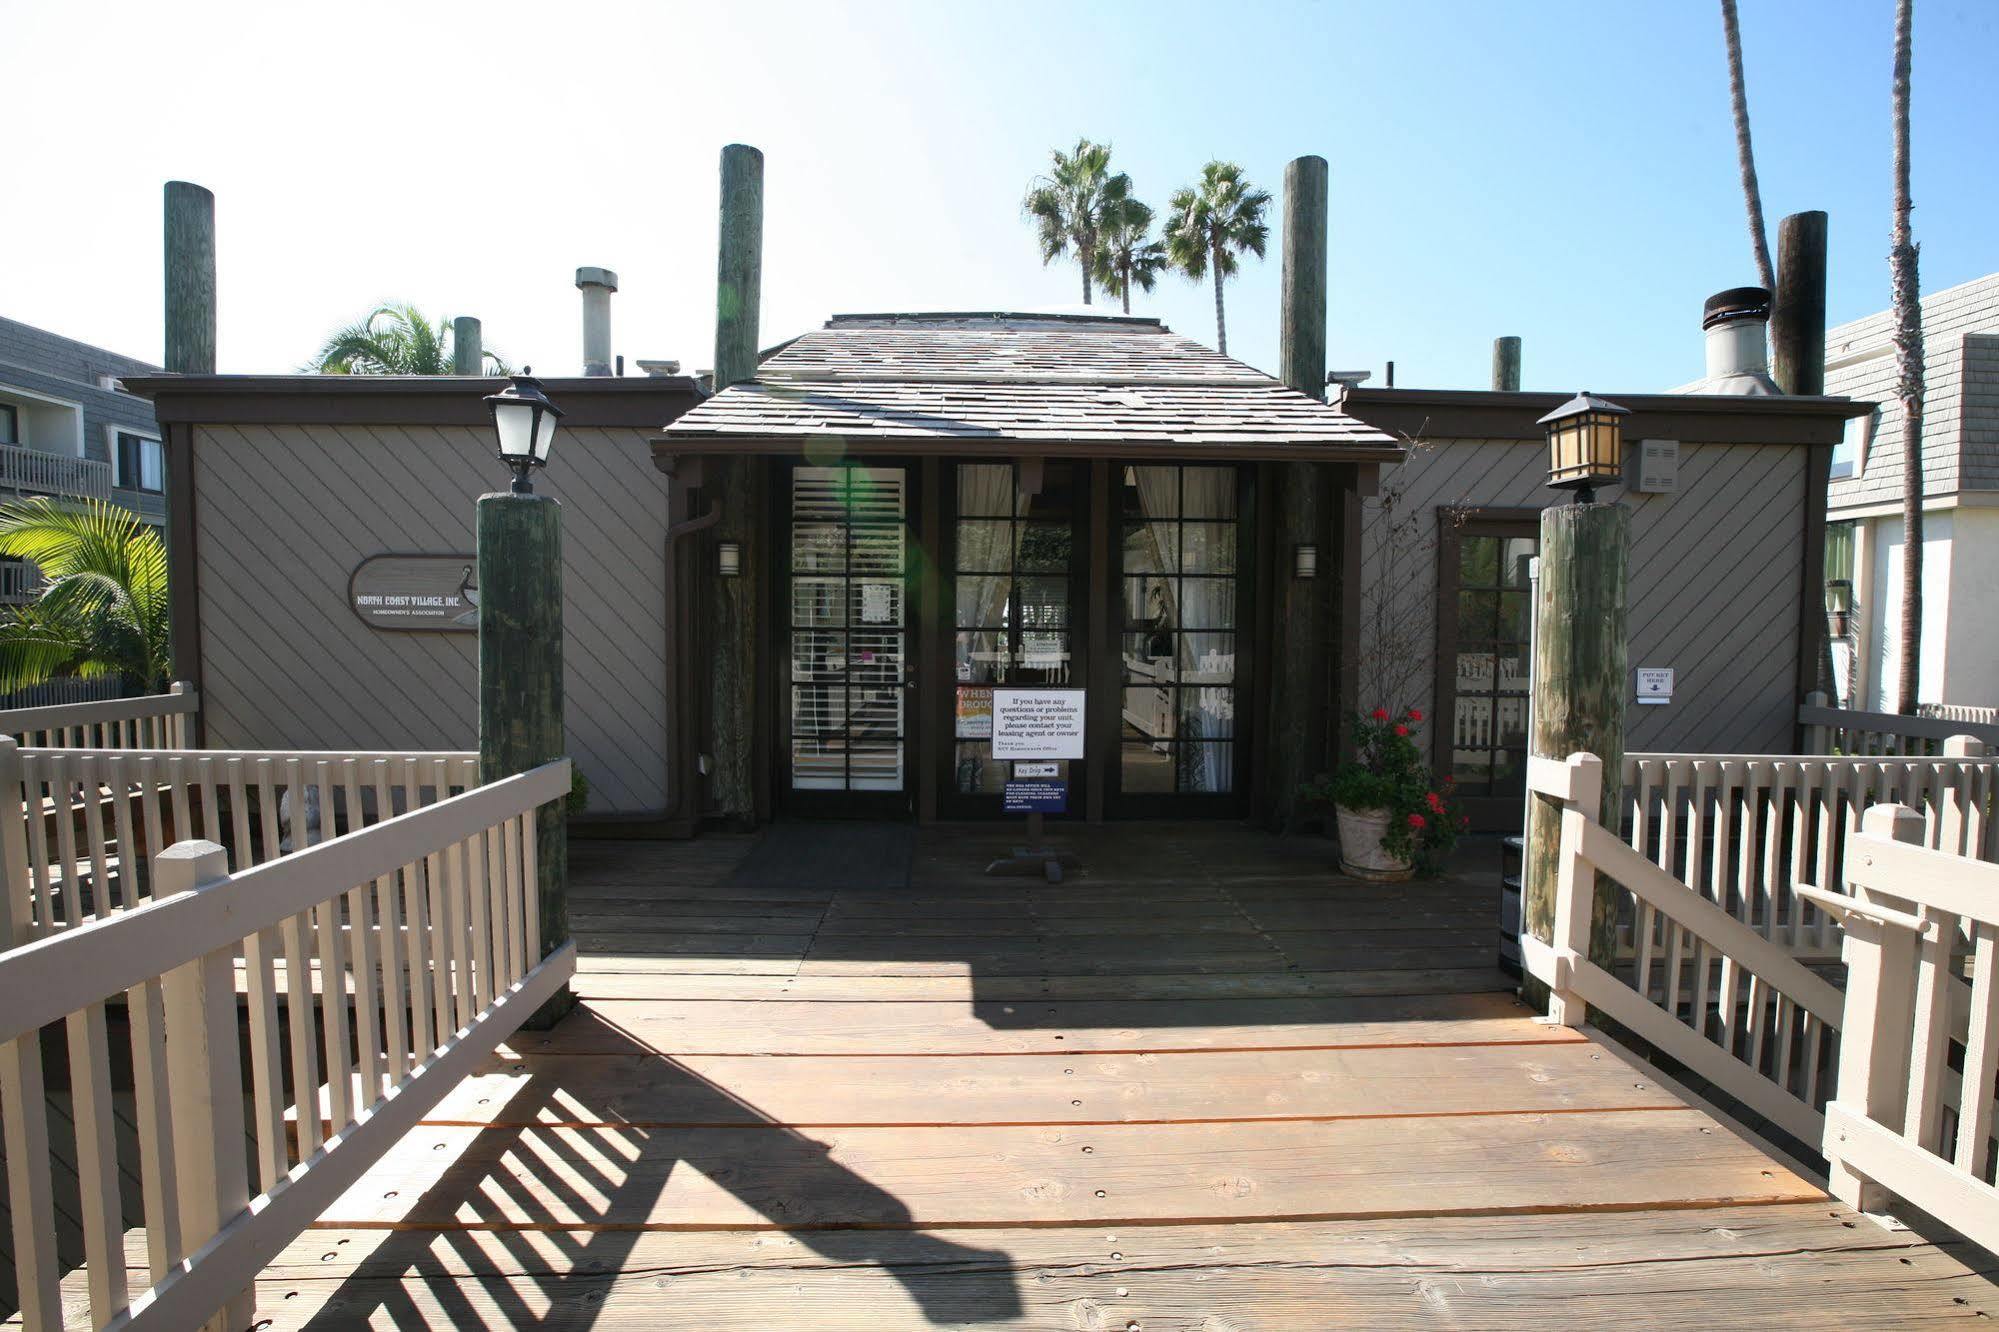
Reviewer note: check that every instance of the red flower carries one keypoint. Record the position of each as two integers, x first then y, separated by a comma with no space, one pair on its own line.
1400,729
1435,801
1416,821
1381,714
1464,821
1415,714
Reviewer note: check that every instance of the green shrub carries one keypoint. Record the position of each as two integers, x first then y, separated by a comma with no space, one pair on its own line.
1388,772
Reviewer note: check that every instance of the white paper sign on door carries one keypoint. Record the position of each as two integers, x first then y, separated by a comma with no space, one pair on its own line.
1037,724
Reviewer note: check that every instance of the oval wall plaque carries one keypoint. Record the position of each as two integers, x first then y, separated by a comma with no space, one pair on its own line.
434,593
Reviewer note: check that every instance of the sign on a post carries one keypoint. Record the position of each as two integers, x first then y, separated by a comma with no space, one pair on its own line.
1037,724
1655,684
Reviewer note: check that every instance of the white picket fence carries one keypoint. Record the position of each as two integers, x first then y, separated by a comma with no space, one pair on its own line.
92,818
1894,1079
152,721
1915,1112
427,918
1745,829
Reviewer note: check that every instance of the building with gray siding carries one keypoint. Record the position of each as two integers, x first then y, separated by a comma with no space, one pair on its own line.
1960,480
68,430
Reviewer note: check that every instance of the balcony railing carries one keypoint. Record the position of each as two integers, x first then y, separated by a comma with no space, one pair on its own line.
35,472
19,582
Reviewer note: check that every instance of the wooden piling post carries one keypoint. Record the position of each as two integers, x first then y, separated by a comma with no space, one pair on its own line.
1797,363
520,685
1579,685
738,489
1299,721
468,348
1506,365
190,279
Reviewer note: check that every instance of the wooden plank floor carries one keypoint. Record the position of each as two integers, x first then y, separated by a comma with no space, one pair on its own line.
1204,1085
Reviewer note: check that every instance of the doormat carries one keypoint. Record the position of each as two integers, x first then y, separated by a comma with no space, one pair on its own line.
839,857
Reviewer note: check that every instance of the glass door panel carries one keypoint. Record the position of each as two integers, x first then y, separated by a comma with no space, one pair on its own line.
849,629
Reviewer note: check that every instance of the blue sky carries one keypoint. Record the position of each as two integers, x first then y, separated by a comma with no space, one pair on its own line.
1561,171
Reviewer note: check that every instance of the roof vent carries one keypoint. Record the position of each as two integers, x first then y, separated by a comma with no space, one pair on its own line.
1737,323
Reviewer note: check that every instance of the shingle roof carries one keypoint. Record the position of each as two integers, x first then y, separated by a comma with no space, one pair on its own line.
905,383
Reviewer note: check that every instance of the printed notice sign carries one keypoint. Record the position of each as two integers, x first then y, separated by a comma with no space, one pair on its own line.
975,712
1024,771
1035,798
439,593
1655,684
1037,724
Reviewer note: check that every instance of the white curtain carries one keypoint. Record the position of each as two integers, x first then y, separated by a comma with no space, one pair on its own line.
985,491
1208,702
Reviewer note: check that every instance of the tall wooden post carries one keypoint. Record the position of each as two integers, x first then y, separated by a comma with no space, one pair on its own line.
1506,365
1797,363
739,493
1579,684
520,684
190,279
468,347
1300,725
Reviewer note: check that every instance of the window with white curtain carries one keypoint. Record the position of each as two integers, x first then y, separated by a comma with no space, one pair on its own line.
1179,638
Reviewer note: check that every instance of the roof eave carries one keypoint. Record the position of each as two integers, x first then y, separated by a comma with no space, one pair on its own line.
692,443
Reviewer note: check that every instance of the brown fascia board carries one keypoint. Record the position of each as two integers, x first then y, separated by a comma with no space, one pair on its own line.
667,448
1439,415
645,403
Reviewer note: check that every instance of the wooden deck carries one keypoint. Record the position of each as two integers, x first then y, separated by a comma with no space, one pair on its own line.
1203,1086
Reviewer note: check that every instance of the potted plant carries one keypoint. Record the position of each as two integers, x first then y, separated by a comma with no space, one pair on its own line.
1395,818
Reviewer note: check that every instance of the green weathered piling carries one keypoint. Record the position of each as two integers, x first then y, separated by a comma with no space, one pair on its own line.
468,347
1506,365
1797,312
190,279
520,681
1579,687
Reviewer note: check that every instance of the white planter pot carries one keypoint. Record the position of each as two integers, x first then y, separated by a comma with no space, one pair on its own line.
1361,852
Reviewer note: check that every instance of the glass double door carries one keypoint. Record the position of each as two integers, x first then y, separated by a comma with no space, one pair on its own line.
848,650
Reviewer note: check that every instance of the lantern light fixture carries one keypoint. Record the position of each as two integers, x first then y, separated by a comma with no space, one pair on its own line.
1305,561
729,556
1585,445
524,420
1839,607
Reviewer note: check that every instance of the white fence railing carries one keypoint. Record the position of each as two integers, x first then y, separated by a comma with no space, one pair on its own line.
92,819
1915,1114
1745,829
1700,985
152,721
1843,731
423,928
34,471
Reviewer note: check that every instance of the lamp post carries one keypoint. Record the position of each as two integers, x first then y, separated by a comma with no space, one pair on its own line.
520,642
1580,674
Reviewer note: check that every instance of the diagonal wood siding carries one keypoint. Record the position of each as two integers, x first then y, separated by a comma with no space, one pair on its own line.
284,513
1715,577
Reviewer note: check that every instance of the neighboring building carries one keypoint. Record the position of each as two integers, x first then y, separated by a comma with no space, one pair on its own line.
1960,455
1726,544
68,431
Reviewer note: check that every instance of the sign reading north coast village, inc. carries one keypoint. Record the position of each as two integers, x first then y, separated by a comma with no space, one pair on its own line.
434,593
1037,724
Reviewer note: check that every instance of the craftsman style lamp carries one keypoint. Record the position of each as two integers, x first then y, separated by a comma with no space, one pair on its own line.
1839,607
524,419
1585,445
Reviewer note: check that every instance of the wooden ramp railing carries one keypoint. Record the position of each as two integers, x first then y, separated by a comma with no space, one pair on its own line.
1746,829
93,818
1702,986
428,919
154,721
1915,1113
1830,730
1895,1079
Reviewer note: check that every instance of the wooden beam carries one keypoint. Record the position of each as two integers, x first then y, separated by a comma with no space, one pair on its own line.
1301,350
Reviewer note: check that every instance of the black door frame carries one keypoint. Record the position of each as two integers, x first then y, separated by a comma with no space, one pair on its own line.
1505,812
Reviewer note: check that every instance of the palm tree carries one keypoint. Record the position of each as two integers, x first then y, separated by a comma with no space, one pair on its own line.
1745,156
1067,204
1902,251
1208,225
104,609
392,340
1126,252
